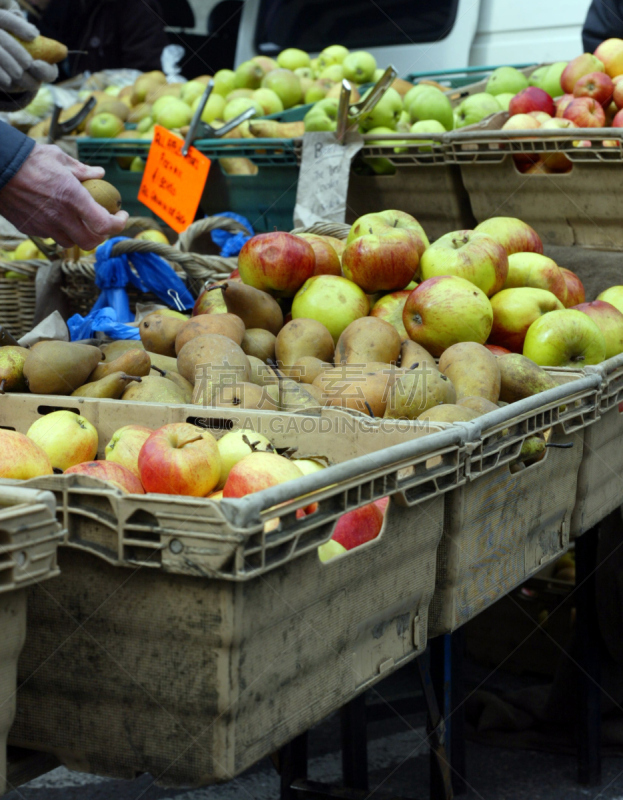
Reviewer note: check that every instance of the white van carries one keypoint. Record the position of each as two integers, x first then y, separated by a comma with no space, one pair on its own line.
414,35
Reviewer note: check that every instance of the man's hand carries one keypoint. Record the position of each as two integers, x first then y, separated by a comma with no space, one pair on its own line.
46,198
18,71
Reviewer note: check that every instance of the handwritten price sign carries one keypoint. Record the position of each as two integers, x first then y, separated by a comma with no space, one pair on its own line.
172,184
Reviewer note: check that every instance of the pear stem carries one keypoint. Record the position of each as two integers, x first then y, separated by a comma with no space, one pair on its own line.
2,385
161,371
131,378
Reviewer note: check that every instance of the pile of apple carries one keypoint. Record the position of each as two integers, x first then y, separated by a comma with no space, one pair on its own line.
176,459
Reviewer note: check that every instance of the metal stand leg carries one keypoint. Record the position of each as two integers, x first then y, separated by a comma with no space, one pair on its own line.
354,744
588,643
457,710
292,766
440,780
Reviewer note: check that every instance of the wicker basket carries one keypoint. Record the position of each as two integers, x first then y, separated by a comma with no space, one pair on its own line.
17,295
339,230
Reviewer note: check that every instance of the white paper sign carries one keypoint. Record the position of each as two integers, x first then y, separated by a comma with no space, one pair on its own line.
323,177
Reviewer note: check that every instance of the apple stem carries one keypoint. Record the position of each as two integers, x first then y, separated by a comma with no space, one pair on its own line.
252,445
2,385
577,358
189,441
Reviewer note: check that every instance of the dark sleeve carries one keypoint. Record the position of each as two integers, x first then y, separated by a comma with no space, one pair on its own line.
143,38
603,21
15,148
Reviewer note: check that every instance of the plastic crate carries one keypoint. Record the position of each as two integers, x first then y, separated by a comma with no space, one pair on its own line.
461,77
503,526
237,638
266,199
581,207
29,537
600,481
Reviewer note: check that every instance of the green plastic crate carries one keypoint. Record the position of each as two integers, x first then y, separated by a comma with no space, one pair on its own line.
267,199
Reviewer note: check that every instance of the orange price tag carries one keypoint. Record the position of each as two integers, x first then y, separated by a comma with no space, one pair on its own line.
172,184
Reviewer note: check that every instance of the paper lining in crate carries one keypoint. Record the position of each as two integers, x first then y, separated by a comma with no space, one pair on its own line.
29,537
237,638
505,523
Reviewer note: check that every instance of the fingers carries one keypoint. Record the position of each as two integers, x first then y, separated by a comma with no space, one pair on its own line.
14,49
42,72
16,24
86,173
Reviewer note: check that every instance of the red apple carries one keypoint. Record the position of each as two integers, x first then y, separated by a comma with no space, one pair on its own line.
586,113
513,234
562,103
596,85
358,526
617,122
385,261
531,99
607,50
21,458
125,445
67,438
497,350
327,260
259,471
235,275
536,271
554,161
575,288
118,476
390,308
472,255
614,68
445,310
180,459
577,68
278,263
609,320
382,504
514,310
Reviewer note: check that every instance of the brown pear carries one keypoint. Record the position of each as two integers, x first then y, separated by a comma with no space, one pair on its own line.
360,388
59,367
307,369
259,343
132,362
43,49
154,389
521,377
479,404
224,324
111,386
210,301
368,339
240,395
448,412
115,349
158,333
167,363
12,360
418,390
213,357
473,370
173,375
413,354
261,373
293,396
302,337
255,308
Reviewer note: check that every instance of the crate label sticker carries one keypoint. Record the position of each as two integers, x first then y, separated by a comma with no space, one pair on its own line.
172,184
323,177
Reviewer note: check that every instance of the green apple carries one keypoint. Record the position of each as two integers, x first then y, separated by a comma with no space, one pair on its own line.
537,76
476,107
427,126
404,123
335,54
224,81
318,90
332,300
614,296
323,116
334,73
213,108
476,257
506,80
137,165
378,74
160,103
550,82
431,104
286,85
145,124
270,102
265,62
292,58
105,126
113,91
330,550
384,222
239,105
504,100
305,72
414,92
191,91
565,338
385,113
359,66
239,93
249,75
175,114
